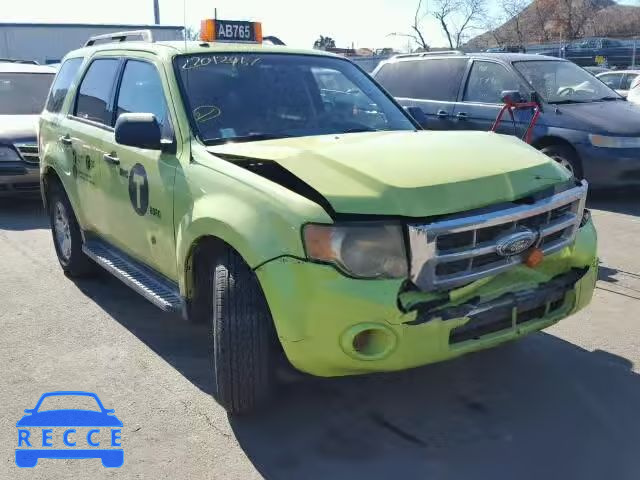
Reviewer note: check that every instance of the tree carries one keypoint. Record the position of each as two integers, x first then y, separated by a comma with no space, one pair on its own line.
323,43
513,10
191,34
573,15
458,17
417,35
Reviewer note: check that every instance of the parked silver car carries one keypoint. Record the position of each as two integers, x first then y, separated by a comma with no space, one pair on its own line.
619,80
23,91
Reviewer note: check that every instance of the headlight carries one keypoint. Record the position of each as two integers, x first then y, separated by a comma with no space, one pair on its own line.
364,251
605,141
8,154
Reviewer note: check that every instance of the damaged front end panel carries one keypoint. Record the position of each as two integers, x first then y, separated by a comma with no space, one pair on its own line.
506,311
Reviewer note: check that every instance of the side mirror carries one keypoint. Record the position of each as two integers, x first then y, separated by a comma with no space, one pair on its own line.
418,115
28,410
139,130
511,96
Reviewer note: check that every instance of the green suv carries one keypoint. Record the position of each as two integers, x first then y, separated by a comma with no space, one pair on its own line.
286,200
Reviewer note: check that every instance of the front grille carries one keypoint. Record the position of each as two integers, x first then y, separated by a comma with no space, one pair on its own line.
29,153
463,248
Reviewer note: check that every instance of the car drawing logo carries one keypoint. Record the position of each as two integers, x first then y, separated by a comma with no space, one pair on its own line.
63,433
516,243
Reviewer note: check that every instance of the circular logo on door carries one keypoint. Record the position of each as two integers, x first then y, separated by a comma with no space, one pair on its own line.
139,189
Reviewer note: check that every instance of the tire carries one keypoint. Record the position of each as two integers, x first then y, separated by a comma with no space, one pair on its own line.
242,339
67,238
566,157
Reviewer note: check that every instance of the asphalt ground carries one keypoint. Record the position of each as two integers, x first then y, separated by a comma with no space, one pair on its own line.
564,403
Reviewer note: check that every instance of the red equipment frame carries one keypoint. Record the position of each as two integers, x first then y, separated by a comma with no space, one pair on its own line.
510,106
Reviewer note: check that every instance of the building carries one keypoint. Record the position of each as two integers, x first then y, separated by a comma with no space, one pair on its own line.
49,42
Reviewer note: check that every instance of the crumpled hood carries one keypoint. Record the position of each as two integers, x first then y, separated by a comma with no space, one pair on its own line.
608,118
414,174
18,128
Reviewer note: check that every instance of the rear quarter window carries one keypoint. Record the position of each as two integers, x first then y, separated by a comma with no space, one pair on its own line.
433,79
65,77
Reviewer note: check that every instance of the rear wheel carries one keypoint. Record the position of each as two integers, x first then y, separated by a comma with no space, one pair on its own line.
67,238
566,157
242,339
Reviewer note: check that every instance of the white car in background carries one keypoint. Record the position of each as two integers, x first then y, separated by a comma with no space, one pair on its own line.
619,80
634,91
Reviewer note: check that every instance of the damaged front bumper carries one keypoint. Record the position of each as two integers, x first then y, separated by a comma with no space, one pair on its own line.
331,325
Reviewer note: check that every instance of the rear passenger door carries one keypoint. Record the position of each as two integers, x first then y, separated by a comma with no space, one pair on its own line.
431,84
83,134
482,99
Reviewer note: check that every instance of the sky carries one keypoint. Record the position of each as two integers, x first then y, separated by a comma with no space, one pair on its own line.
364,23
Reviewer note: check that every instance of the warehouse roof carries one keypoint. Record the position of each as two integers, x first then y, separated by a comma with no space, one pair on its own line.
121,26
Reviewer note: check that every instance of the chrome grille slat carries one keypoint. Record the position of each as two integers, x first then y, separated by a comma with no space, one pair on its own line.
466,259
29,153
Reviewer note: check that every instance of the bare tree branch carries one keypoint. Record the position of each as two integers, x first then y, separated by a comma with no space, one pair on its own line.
418,37
458,17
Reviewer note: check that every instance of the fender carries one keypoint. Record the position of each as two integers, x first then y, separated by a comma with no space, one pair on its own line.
256,233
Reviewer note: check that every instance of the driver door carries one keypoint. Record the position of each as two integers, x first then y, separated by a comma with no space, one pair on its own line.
482,100
138,183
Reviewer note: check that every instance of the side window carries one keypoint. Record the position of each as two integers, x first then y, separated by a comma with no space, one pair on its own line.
611,80
433,79
95,91
627,81
487,81
141,92
61,84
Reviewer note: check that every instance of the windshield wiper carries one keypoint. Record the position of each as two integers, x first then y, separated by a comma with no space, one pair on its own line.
568,101
610,98
360,130
252,137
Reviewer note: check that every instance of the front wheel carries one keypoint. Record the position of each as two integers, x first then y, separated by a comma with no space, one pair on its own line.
566,157
242,340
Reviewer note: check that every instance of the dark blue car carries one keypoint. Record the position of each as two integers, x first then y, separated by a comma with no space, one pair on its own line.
584,125
28,453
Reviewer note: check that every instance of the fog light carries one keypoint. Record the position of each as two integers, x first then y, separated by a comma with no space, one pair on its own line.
368,341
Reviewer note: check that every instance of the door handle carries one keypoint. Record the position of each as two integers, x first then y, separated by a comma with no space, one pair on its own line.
111,158
65,140
442,114
462,116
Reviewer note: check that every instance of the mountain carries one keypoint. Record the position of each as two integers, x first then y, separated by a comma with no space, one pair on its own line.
544,21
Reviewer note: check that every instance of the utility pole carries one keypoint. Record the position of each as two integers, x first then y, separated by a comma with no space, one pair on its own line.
156,12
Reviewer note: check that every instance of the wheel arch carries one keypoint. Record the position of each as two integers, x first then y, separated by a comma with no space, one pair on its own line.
48,177
551,140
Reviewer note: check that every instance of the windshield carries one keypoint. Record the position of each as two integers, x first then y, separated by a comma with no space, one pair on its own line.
243,97
66,402
564,82
23,93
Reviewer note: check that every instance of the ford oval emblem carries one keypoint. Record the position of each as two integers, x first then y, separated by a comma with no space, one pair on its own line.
515,243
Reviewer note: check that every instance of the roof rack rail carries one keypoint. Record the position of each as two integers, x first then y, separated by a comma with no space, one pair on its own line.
141,35
431,54
17,60
273,40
